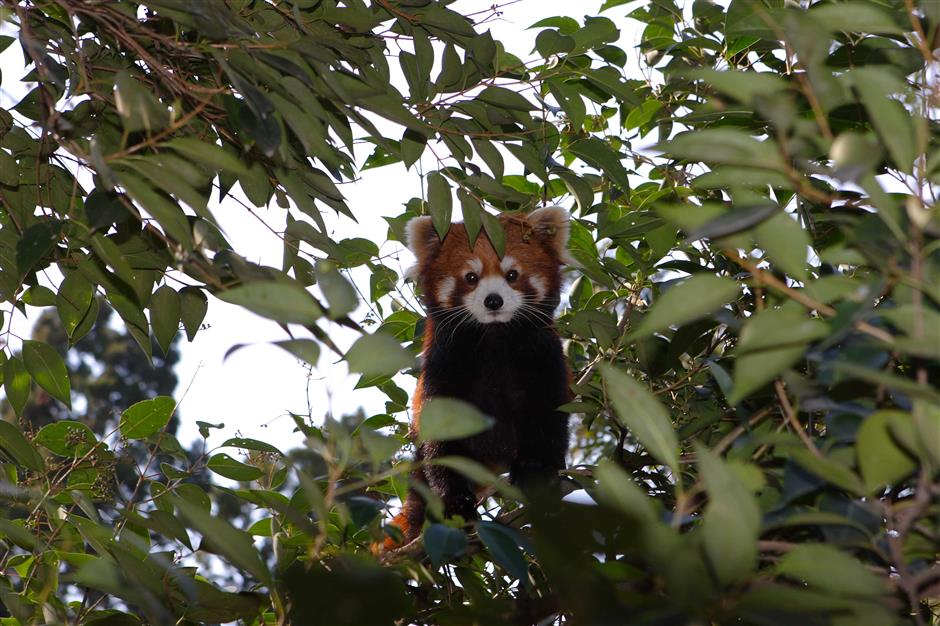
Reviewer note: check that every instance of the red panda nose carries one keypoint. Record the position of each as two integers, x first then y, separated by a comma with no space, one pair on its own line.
493,302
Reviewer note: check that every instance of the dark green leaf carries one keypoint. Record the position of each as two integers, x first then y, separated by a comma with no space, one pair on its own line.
16,383
440,203
48,370
506,548
732,519
472,215
641,412
19,448
443,543
193,308
599,154
73,301
233,544
165,308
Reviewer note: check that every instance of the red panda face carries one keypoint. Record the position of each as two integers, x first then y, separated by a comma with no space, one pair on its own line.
460,282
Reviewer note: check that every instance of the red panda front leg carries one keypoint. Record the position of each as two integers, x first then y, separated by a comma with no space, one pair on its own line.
456,492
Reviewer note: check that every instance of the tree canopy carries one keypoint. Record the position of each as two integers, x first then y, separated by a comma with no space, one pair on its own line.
754,322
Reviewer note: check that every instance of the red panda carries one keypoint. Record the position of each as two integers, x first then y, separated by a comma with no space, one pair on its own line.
489,340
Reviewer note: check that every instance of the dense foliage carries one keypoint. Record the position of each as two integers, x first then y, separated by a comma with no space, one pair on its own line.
754,326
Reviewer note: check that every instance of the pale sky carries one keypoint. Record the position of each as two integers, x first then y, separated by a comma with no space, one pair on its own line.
253,391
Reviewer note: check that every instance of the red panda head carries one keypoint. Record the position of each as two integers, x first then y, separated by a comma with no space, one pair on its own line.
525,284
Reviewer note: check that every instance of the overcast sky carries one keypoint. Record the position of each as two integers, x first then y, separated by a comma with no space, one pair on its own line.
255,389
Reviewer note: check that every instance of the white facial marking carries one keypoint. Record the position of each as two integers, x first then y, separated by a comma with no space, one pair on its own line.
538,284
508,263
475,265
493,286
445,289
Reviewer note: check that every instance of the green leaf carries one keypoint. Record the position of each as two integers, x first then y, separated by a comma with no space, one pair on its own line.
39,296
73,301
599,154
9,171
19,448
15,531
229,467
472,215
732,519
138,108
596,31
165,308
304,349
167,212
786,243
830,470
478,473
641,412
412,147
16,383
448,418
288,303
505,545
549,42
616,489
569,99
880,459
771,341
35,245
690,300
246,443
443,543
378,354
440,203
725,146
234,545
874,86
741,85
565,25
494,232
193,308
642,115
48,370
67,438
147,417
205,153
340,293
109,252
829,569
856,17
503,98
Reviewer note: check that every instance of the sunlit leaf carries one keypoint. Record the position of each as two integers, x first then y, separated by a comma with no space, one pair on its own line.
147,417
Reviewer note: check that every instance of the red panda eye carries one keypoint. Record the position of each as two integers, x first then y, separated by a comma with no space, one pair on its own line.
512,275
471,278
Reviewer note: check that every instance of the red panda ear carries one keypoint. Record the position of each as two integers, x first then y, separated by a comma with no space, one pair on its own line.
554,222
421,239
